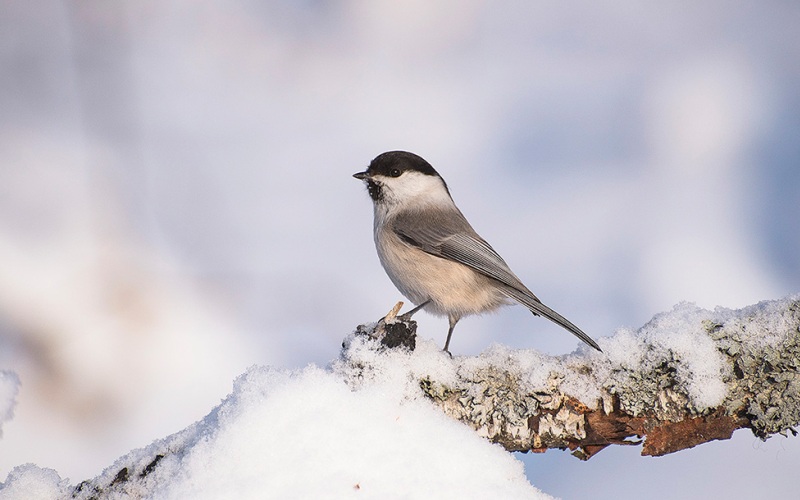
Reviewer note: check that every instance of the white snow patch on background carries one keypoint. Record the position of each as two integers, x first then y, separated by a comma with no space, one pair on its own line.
9,388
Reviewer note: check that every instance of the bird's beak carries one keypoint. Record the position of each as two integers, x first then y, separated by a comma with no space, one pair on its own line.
361,176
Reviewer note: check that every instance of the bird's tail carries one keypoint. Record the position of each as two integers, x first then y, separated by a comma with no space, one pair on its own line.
539,309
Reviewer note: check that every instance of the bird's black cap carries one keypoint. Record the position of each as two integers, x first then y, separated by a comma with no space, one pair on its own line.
394,163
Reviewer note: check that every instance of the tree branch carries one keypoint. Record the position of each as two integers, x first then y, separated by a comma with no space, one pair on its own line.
687,377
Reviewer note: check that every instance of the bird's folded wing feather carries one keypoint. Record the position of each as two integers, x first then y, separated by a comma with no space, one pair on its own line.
454,239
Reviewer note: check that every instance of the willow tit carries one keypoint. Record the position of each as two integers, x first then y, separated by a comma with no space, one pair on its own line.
430,251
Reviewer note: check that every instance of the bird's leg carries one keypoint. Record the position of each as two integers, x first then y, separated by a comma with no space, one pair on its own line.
453,321
410,313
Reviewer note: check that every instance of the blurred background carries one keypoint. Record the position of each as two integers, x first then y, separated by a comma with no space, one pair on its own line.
176,199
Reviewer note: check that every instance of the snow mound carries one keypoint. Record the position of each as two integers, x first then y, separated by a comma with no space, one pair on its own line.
30,482
308,434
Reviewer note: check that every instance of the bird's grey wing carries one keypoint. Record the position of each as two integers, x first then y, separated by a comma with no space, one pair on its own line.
451,237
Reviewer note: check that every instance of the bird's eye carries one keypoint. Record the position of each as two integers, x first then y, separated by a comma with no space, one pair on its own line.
395,172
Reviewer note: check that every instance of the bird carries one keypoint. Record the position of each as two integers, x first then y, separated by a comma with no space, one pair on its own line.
431,252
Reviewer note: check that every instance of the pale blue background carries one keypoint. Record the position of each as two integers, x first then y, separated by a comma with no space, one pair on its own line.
621,156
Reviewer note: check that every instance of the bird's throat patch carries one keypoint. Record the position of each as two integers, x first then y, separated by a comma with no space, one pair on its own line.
375,190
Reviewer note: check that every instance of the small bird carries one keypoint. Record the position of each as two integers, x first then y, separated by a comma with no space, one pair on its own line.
430,251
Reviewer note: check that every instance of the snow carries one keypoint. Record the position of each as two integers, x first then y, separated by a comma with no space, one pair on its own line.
9,387
33,483
362,427
314,433
676,335
339,443
767,331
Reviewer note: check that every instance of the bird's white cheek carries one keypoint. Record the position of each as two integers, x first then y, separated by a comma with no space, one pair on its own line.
415,188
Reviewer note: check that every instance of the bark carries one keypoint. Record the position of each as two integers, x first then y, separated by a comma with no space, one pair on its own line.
760,351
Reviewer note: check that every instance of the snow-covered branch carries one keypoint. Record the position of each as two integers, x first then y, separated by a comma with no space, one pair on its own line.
687,377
